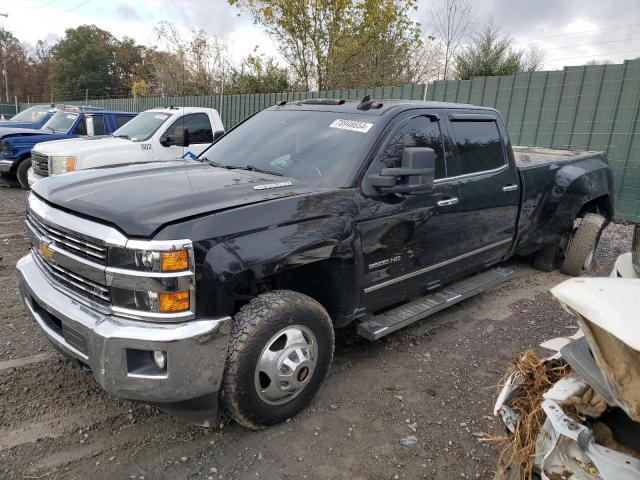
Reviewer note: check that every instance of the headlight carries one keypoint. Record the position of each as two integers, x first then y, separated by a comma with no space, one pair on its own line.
61,164
152,279
5,149
635,249
150,260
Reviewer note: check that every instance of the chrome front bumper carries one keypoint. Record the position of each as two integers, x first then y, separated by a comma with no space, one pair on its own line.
112,346
6,165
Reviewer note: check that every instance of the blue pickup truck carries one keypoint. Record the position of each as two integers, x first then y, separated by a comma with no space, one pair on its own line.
68,122
33,117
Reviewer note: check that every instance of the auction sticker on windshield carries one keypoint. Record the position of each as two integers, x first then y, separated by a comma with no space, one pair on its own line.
352,125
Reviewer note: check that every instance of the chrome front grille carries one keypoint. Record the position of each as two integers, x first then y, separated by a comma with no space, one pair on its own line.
72,243
40,164
74,282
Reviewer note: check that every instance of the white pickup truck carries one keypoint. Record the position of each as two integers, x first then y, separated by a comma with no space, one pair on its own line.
154,135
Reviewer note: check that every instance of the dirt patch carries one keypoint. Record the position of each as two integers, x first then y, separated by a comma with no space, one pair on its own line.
435,380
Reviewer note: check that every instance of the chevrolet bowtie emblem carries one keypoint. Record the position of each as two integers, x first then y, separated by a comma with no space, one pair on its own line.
46,251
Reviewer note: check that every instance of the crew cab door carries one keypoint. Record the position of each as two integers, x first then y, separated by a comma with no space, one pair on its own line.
406,238
489,186
200,137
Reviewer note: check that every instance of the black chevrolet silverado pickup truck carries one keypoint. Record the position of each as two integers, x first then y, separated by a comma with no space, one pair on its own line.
221,280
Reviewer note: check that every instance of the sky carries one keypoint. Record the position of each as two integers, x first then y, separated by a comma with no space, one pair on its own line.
571,32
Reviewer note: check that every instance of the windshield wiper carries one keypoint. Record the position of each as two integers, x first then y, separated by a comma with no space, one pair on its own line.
253,168
122,136
213,163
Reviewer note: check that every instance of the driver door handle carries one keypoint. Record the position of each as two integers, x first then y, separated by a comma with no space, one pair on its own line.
447,202
509,188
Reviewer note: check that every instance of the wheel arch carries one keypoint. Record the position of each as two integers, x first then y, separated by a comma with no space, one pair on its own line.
21,158
323,280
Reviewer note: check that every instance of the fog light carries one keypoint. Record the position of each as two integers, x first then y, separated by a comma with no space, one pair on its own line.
160,359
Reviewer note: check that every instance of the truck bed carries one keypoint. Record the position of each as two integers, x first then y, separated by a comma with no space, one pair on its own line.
534,156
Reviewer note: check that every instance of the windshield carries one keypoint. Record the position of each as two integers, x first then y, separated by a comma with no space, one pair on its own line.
31,115
319,148
61,122
142,127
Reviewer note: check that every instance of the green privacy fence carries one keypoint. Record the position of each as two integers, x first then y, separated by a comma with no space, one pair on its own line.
593,107
8,109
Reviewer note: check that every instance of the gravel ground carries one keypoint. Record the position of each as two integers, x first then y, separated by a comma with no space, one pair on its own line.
435,381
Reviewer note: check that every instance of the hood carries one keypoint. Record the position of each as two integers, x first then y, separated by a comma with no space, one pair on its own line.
16,132
30,137
9,123
83,146
141,198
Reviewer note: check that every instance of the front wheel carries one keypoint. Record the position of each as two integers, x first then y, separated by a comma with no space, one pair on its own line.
280,350
22,172
580,251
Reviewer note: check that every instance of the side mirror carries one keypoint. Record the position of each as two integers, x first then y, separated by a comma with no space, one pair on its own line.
217,135
415,175
181,137
164,140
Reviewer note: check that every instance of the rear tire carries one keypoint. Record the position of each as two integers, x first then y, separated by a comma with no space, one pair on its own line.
22,171
578,256
280,350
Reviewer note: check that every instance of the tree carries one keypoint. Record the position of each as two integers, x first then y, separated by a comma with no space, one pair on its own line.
194,65
40,60
129,64
451,21
258,74
426,60
599,62
491,53
84,61
333,43
22,69
140,88
374,47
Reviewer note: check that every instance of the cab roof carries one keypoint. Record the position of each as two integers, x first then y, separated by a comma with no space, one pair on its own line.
387,106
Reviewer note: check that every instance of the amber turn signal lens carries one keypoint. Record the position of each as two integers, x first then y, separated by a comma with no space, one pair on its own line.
174,302
71,164
175,260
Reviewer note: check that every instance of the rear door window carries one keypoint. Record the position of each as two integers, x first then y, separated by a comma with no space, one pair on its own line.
478,147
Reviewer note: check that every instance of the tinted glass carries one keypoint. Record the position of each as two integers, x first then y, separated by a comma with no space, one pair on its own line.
98,125
478,147
198,125
417,132
320,148
81,127
121,120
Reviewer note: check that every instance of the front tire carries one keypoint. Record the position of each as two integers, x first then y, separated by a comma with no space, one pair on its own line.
578,256
22,171
280,350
